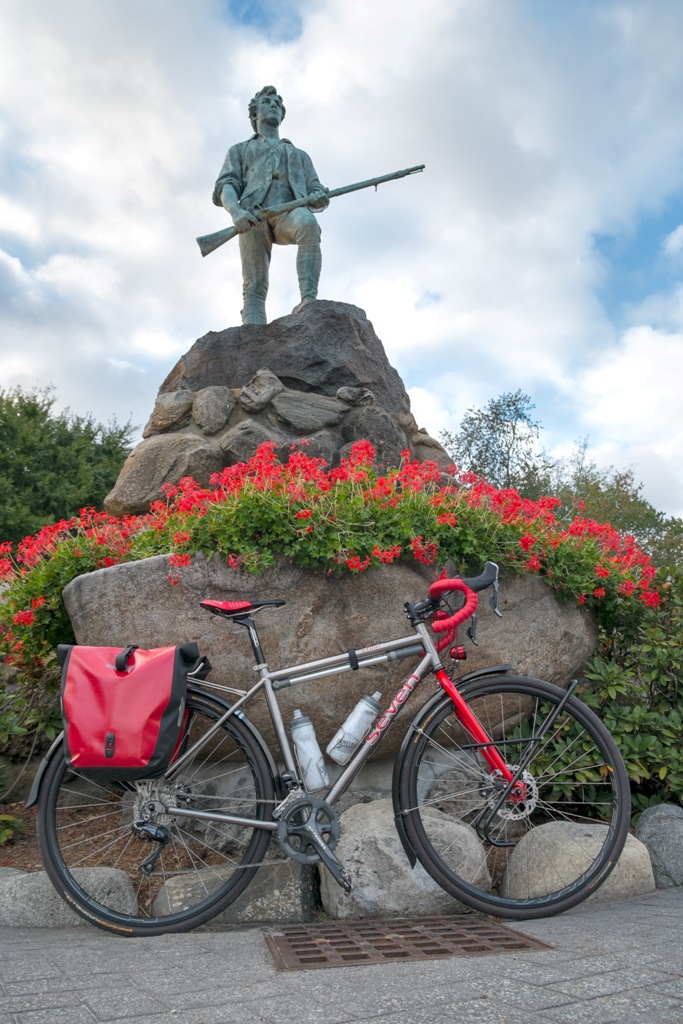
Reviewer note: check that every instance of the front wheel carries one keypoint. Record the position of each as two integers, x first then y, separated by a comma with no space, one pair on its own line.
119,858
524,855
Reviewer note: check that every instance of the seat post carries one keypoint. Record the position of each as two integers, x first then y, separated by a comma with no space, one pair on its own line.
253,637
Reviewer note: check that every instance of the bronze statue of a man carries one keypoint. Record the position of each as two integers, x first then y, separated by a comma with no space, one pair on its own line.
263,172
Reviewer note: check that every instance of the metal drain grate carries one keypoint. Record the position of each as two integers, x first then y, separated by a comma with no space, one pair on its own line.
347,943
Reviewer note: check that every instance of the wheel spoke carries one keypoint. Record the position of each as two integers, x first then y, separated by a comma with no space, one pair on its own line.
200,866
543,847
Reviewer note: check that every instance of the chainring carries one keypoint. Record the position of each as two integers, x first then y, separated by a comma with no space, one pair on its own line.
298,819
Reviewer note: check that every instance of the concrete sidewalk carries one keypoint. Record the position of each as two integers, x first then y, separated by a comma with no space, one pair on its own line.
617,962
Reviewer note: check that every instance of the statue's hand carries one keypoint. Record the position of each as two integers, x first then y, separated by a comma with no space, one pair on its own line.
318,199
243,221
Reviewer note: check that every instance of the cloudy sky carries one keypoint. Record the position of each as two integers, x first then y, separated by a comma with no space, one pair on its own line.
541,249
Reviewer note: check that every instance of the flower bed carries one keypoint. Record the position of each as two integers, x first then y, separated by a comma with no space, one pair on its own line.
344,519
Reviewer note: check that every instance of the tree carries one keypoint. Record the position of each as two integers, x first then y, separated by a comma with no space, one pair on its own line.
613,496
52,464
500,443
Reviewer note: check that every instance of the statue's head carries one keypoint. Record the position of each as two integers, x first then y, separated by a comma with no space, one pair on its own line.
267,90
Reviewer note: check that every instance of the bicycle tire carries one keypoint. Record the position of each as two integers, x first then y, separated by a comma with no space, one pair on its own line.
203,867
578,800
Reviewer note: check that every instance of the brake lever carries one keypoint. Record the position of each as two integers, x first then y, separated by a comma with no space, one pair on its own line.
494,600
472,630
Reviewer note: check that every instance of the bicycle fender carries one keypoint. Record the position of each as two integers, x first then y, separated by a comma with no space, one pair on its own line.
42,768
494,670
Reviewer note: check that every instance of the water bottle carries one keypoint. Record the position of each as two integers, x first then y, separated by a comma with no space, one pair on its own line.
308,752
355,728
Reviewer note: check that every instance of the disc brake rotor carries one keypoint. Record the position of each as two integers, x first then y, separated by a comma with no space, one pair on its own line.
513,808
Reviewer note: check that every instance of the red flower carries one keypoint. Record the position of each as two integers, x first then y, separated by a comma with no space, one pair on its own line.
362,453
599,592
178,561
305,513
533,564
424,551
527,541
25,618
387,556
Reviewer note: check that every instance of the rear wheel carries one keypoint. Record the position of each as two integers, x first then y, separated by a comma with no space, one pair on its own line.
122,861
524,855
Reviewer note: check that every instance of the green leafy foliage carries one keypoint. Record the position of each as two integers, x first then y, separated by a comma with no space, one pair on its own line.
635,685
52,464
9,826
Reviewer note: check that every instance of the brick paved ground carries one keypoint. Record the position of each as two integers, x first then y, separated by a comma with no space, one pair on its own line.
622,962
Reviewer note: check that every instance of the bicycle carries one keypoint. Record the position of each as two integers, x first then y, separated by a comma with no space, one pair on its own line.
491,769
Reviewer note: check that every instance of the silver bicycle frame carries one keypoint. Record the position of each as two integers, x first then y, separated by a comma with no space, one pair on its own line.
417,644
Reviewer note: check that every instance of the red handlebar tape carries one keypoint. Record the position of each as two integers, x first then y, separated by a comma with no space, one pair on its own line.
450,623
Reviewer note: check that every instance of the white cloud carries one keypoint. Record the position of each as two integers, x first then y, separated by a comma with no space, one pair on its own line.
480,274
673,243
618,391
630,403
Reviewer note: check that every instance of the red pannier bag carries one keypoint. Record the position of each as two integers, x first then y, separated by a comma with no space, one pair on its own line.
123,708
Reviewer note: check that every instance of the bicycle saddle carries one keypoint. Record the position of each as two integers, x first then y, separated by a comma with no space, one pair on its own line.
234,609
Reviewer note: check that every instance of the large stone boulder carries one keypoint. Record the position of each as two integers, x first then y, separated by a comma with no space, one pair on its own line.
383,882
321,348
565,849
29,900
319,375
156,461
324,615
661,829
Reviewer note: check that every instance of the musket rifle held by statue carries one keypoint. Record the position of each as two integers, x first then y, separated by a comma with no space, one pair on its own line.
207,243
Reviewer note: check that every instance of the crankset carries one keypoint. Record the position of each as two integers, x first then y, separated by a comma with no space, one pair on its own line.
308,831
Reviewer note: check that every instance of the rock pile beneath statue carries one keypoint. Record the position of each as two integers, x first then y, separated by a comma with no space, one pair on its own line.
319,375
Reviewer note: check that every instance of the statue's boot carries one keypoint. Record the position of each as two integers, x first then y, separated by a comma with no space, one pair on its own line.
254,311
309,263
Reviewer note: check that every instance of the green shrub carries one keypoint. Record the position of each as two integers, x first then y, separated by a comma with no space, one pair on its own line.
9,826
635,686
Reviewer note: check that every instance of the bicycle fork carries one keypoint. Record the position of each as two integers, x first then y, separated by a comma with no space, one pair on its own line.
511,788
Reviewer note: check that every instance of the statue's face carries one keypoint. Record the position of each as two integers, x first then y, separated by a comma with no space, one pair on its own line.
268,110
